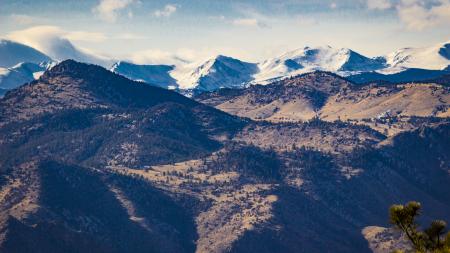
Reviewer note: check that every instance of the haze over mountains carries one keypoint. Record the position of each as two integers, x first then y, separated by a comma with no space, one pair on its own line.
408,64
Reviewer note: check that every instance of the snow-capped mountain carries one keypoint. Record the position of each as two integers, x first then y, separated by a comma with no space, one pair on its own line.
13,53
20,63
320,58
408,64
218,72
226,72
11,78
435,57
158,75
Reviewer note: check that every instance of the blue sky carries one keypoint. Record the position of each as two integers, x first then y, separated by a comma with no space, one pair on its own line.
150,31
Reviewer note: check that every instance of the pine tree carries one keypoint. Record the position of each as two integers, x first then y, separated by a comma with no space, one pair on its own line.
430,240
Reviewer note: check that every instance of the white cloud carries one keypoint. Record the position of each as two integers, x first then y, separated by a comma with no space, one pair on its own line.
333,5
415,15
250,22
379,4
108,10
37,34
38,37
56,42
166,12
157,56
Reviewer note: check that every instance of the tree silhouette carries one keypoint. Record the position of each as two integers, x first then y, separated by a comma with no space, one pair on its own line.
430,240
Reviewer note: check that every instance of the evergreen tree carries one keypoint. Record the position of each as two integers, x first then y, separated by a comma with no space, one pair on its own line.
430,240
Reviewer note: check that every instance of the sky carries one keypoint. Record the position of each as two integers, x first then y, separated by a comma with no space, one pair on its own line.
156,31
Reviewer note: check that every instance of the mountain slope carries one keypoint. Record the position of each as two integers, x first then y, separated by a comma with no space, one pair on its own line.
216,73
405,76
389,108
13,53
391,100
433,57
321,58
92,161
20,74
293,99
58,135
152,74
96,99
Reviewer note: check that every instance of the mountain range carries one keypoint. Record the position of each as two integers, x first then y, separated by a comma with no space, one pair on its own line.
92,161
404,65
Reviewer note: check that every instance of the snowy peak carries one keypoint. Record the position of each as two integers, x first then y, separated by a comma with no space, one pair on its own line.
158,75
218,72
13,53
309,59
225,72
435,57
330,59
358,62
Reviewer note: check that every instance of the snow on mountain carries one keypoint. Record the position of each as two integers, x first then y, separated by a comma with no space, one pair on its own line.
320,58
218,72
15,76
13,53
223,71
435,57
158,75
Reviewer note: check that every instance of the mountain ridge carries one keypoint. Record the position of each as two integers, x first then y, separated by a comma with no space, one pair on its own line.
227,72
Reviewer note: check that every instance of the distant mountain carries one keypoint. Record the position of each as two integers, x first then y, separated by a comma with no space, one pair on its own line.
21,73
404,65
443,79
13,53
435,57
321,58
407,75
158,75
218,72
20,63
